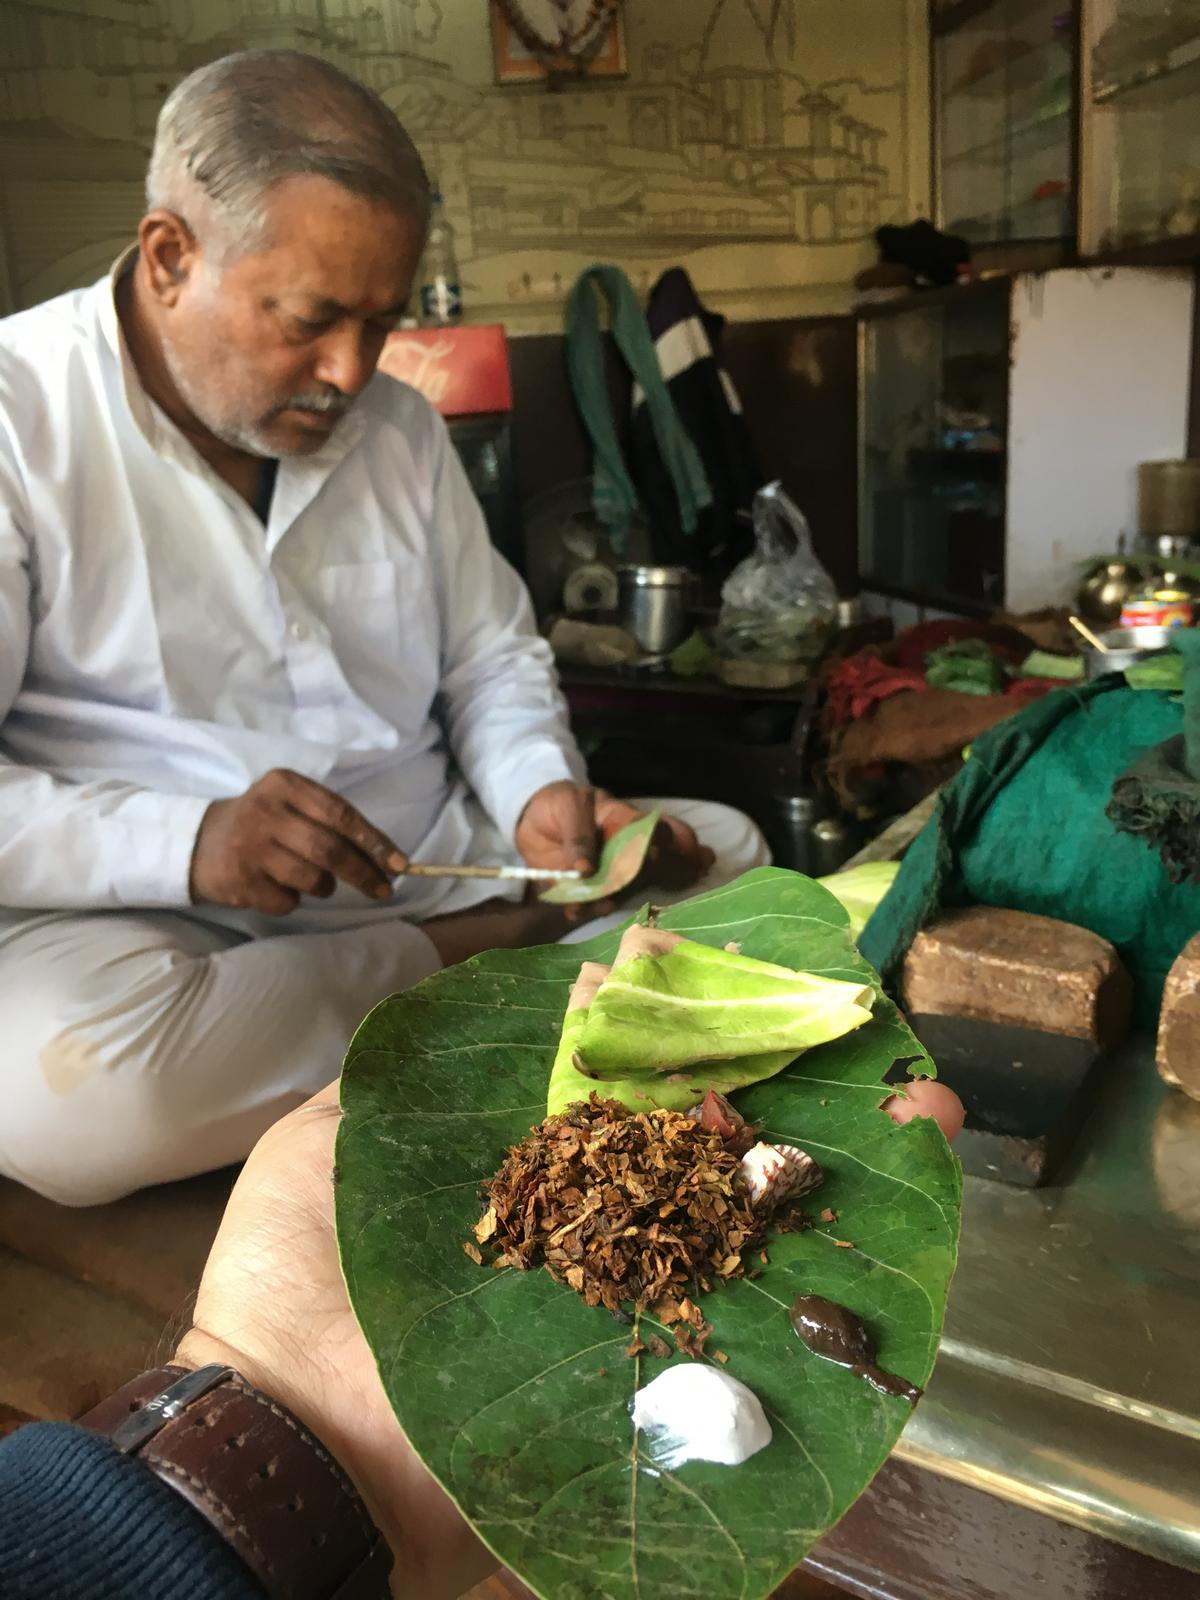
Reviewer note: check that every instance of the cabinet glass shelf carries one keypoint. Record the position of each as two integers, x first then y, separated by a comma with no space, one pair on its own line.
934,419
1004,80
1140,123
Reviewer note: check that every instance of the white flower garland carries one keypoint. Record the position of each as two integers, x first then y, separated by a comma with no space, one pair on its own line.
561,27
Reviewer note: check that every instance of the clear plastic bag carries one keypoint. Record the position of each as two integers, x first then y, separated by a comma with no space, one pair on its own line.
779,605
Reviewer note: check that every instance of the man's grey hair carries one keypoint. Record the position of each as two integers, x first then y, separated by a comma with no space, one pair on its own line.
235,128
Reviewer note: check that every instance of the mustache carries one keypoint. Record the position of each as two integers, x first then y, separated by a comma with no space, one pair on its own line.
325,400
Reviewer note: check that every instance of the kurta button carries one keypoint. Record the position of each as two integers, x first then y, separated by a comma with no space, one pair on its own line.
298,631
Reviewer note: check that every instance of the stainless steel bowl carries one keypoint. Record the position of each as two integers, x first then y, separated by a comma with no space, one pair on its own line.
1124,646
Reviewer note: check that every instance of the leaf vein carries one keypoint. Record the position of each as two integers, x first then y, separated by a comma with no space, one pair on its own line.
888,1177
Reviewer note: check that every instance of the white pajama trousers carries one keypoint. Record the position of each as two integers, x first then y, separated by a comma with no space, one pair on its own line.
140,1047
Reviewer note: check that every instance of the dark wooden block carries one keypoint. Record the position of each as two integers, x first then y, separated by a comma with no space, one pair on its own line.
1018,1010
1025,1092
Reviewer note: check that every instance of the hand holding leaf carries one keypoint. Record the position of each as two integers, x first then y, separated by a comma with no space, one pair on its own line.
566,825
514,1391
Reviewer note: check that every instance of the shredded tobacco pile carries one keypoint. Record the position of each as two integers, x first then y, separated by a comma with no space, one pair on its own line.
646,1208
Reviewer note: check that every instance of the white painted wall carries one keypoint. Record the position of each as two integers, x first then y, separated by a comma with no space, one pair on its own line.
1100,366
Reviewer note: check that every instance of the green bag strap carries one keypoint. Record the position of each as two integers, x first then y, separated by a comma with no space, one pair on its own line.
614,497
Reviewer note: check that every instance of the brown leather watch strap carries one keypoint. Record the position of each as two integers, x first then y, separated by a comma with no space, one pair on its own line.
267,1485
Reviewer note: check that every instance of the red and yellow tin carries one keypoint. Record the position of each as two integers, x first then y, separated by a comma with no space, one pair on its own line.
1161,608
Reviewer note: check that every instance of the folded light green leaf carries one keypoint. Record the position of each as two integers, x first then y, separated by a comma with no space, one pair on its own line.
676,1091
861,889
694,1003
620,862
568,1084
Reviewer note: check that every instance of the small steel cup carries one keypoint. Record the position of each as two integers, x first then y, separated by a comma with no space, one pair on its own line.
655,606
1124,647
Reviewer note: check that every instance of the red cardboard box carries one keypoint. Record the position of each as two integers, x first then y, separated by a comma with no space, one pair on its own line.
461,371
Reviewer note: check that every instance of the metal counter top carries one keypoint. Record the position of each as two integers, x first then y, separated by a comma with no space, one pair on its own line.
1069,1375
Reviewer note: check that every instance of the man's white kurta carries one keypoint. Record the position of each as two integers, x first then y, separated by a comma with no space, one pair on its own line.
160,647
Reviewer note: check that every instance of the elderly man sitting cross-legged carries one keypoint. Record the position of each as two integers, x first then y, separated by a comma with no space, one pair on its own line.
255,651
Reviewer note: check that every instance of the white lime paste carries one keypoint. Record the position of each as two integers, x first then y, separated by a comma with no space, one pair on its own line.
696,1412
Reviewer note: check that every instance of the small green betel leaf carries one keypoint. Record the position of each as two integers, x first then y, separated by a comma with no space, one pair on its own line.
515,1393
620,862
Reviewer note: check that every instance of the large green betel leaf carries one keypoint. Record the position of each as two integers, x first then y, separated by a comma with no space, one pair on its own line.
515,1393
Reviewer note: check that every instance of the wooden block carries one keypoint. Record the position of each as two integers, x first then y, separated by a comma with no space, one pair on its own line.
1017,1011
1025,1093
1178,1054
1016,968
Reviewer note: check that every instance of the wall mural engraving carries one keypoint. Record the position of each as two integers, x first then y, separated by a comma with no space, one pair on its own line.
758,142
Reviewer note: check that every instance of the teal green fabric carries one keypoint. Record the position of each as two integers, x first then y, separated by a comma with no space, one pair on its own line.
1158,799
1023,825
613,494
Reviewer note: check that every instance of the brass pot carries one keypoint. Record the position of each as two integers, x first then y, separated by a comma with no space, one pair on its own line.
1167,578
1105,590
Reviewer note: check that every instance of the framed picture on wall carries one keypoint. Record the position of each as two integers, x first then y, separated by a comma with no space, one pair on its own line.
523,55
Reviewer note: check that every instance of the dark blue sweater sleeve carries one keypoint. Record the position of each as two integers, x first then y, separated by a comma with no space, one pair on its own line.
80,1521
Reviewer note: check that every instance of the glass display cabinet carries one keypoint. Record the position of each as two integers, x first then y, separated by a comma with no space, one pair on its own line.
1004,100
934,398
1139,124
1000,428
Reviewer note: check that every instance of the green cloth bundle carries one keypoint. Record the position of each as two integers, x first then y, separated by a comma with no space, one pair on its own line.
1023,825
1158,798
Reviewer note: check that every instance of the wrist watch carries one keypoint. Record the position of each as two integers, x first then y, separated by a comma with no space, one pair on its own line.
267,1485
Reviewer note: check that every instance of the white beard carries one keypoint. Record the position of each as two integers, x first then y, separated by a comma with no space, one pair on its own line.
241,436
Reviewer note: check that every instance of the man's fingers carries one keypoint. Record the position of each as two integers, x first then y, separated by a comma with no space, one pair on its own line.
331,852
558,828
676,834
579,832
590,910
613,815
323,806
676,858
295,872
272,898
